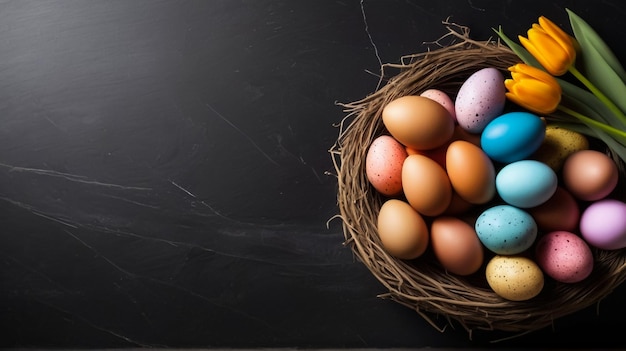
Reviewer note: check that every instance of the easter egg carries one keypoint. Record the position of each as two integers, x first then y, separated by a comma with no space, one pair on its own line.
505,229
426,185
480,99
402,231
557,145
514,278
560,212
526,183
603,224
442,98
471,172
513,136
564,256
383,165
418,122
455,245
590,175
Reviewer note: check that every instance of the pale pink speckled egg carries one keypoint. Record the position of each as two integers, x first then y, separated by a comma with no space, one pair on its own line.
564,256
383,165
442,98
480,99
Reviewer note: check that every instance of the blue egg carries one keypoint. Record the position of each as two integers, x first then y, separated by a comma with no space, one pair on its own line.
526,183
513,136
506,229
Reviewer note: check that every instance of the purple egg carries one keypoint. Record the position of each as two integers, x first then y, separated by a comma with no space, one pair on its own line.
603,224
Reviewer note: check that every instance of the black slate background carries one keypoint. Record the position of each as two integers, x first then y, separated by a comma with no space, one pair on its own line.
166,182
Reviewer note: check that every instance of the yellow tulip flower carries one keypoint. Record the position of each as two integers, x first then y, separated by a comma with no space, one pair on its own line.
551,46
533,89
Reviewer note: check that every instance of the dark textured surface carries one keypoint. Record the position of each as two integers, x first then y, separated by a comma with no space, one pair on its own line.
163,172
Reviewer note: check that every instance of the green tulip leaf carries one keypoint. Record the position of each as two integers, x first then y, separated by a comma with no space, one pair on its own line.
519,50
583,101
598,64
582,29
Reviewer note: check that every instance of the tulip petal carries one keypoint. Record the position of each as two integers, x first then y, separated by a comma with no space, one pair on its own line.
558,35
540,45
535,73
538,93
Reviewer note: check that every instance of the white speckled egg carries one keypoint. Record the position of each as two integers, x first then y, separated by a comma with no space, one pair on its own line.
480,99
564,256
514,278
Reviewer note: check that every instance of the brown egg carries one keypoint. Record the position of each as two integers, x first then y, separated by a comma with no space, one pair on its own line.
426,185
456,245
462,134
457,205
418,122
560,212
471,172
590,175
402,231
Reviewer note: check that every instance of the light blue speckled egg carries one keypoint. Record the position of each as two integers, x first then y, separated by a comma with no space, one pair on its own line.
513,136
506,230
526,183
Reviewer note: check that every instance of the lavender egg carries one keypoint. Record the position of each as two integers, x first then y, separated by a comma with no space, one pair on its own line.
603,224
480,99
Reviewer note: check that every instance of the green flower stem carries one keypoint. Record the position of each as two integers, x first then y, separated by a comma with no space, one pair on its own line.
605,100
618,135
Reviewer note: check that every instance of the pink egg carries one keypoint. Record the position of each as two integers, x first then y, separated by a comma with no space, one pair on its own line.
383,165
481,98
442,98
603,224
564,256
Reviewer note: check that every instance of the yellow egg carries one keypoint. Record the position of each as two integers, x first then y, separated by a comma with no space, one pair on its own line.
426,185
514,278
418,122
402,231
558,144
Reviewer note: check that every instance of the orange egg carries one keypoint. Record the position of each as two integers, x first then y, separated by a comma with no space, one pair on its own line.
426,185
456,245
418,122
402,231
471,172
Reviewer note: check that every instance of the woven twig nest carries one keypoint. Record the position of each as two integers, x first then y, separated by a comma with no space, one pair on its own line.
422,284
